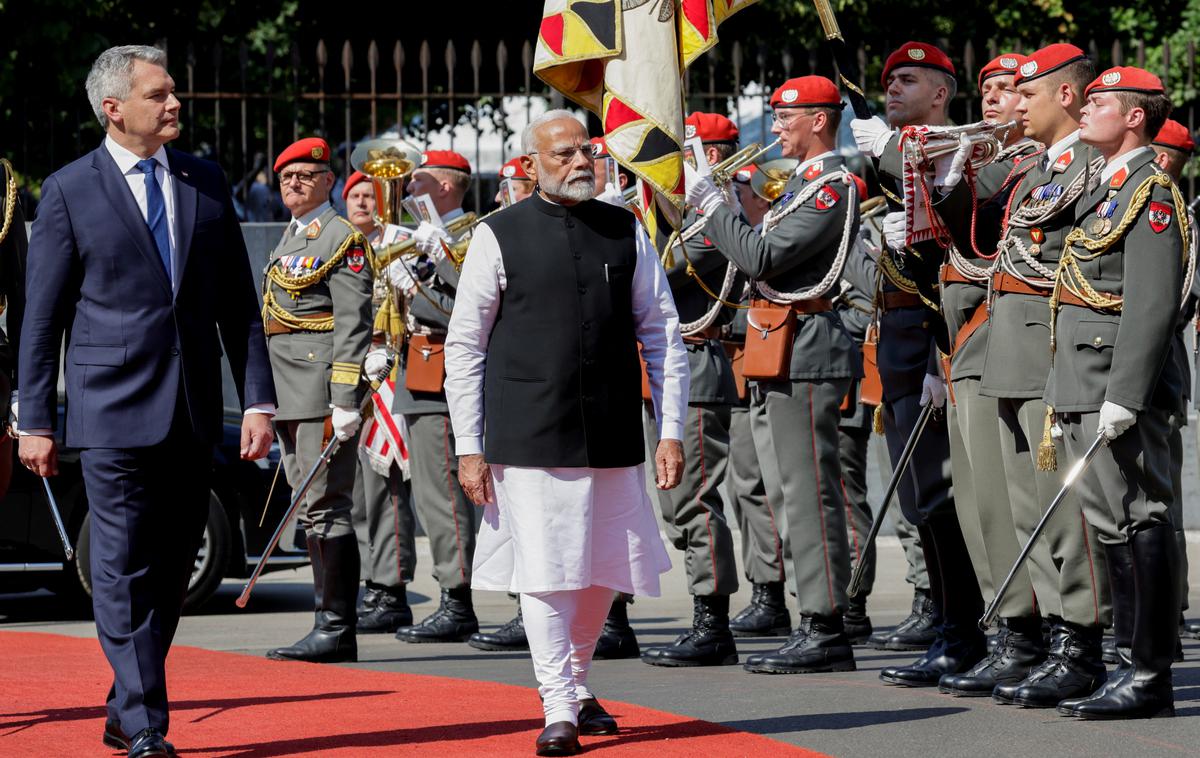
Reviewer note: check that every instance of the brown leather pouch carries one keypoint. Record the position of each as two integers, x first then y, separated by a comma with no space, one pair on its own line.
426,367
769,335
872,386
737,359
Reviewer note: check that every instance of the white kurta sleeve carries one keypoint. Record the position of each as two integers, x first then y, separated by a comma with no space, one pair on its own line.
475,307
657,325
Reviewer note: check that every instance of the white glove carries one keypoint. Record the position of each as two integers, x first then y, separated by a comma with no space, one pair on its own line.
12,411
612,195
429,240
702,194
871,135
399,275
948,168
933,389
1114,420
345,422
893,230
375,362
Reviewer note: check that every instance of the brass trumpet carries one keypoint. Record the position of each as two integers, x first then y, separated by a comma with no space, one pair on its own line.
723,172
987,140
387,162
770,179
388,253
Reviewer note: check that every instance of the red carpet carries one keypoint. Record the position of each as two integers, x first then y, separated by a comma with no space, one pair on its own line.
52,687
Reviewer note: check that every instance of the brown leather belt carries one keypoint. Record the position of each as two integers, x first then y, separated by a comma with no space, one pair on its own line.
702,336
898,299
1006,283
978,319
800,307
274,326
951,275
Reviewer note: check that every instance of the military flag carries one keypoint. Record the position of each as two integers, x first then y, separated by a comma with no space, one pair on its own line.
624,61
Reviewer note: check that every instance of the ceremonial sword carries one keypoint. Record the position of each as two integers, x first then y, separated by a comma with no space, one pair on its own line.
1080,466
306,483
841,57
56,517
860,568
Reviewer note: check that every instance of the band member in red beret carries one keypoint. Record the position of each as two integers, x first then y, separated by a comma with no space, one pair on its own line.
515,184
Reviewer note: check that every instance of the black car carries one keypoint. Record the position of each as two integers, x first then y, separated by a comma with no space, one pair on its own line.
32,557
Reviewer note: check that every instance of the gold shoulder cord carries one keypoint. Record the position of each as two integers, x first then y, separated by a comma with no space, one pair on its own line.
10,197
294,285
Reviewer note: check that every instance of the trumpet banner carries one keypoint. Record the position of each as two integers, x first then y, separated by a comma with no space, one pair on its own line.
624,61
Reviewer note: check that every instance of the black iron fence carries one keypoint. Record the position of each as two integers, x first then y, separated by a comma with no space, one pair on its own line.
242,106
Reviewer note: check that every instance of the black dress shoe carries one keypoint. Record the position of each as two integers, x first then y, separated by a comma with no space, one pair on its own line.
819,645
453,621
511,636
594,720
1190,629
149,743
917,632
708,643
560,738
1018,650
941,659
389,612
115,737
1072,669
856,622
766,616
617,639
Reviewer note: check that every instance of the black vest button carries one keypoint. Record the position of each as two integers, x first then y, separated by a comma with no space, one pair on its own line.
583,290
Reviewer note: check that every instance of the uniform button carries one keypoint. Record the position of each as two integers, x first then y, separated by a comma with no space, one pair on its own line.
312,356
1098,341
570,224
174,351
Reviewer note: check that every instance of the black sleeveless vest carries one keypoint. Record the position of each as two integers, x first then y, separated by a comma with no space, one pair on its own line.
563,382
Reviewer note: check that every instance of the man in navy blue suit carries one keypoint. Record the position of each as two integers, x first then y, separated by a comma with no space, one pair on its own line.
137,255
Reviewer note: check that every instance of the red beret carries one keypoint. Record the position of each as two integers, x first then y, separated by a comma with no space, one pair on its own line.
744,174
1175,135
1050,58
917,54
807,92
354,179
1005,64
512,170
710,127
309,150
1126,79
599,148
445,159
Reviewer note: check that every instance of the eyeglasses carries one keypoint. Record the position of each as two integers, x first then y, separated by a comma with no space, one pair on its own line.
787,120
305,177
567,154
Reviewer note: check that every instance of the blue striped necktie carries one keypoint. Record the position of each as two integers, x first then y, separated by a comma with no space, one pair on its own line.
156,213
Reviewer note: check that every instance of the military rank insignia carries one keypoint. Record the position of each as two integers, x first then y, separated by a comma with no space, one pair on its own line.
1064,161
827,197
1102,224
356,258
1159,216
313,230
813,171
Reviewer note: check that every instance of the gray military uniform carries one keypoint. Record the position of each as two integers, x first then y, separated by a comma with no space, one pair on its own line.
1066,567
802,411
693,512
317,314
444,509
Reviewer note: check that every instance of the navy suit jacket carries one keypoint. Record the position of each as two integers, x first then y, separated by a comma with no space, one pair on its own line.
135,345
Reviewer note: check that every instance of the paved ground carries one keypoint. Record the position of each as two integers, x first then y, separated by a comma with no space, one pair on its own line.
850,714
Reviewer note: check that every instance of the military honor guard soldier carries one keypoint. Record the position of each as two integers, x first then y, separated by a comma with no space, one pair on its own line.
317,318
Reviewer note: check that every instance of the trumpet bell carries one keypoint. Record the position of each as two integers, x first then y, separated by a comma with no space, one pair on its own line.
387,162
772,176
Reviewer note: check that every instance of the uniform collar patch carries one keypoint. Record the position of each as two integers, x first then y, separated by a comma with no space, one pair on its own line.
813,171
1064,160
1119,178
313,230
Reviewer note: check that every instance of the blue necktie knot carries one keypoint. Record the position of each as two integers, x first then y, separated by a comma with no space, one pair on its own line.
147,166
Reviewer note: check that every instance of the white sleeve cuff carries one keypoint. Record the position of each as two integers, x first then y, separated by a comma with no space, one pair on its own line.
35,432
468,446
671,430
268,409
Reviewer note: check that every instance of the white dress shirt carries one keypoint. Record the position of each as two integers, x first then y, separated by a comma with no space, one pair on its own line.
127,163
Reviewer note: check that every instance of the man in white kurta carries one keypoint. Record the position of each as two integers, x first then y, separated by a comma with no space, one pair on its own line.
555,296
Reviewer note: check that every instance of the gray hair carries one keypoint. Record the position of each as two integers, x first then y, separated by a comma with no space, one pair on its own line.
555,114
112,74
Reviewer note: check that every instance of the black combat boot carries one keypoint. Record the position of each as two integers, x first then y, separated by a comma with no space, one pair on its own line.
1019,647
1072,669
332,639
453,621
511,636
617,640
856,621
913,633
1189,629
369,598
1146,690
708,643
766,616
818,645
1119,560
389,612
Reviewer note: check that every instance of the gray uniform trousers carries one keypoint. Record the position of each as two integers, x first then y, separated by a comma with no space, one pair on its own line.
445,512
1067,566
327,505
802,428
693,512
383,520
762,545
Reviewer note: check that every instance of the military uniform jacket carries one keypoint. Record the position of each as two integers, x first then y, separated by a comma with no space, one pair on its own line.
1121,356
320,282
797,254
1017,353
711,372
429,310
